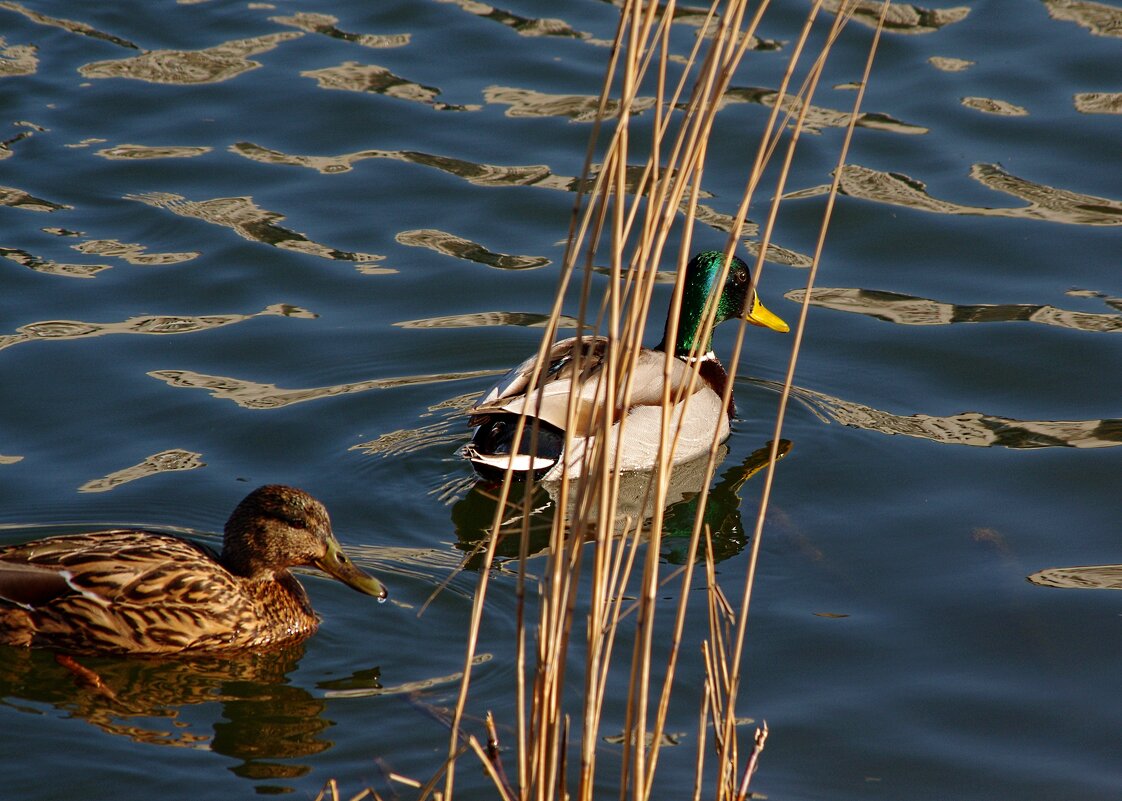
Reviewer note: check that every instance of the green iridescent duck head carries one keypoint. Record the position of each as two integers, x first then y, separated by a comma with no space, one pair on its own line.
734,299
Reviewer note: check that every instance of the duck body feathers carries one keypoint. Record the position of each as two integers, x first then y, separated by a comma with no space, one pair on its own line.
133,591
576,367
554,442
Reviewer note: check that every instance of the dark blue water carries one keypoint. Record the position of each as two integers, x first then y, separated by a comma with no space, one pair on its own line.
263,231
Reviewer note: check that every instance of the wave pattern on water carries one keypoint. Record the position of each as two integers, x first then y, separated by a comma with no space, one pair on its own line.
150,325
162,462
968,428
255,224
894,307
1045,202
325,24
68,25
255,395
186,67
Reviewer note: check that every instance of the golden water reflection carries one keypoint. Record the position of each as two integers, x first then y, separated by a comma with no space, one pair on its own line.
255,395
17,59
536,175
909,310
989,105
452,245
1044,202
902,17
161,325
968,428
1098,18
189,67
1098,102
818,117
325,24
41,265
162,462
255,224
489,319
578,108
1088,577
131,252
67,25
351,76
139,152
29,130
948,64
525,26
17,198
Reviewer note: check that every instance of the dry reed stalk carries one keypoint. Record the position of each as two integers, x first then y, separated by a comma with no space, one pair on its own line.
666,189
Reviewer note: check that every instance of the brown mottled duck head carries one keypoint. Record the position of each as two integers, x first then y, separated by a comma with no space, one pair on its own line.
277,527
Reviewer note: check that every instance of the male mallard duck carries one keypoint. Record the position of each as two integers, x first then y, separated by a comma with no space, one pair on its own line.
129,591
496,415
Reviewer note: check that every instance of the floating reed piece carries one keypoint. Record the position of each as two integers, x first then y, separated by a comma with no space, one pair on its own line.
627,221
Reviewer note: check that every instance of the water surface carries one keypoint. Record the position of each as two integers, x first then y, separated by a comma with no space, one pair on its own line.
257,242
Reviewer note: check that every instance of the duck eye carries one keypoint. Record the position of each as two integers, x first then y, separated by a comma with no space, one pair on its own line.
740,276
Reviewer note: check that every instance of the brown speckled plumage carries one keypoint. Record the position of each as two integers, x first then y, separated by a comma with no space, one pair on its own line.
129,591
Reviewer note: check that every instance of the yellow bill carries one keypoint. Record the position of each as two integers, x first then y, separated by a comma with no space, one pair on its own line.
762,317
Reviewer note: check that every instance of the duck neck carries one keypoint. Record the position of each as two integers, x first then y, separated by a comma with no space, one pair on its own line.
241,558
697,294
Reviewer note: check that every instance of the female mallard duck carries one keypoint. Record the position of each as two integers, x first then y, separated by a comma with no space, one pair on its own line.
128,591
496,415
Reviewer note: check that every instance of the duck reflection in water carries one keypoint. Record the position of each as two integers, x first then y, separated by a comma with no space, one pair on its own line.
473,515
241,705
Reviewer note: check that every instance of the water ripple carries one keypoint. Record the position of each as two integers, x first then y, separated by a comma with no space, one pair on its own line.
1100,19
325,24
253,223
525,26
17,59
351,76
17,198
818,117
41,265
68,25
137,152
1044,202
162,462
902,309
968,428
147,324
902,17
460,248
255,395
188,67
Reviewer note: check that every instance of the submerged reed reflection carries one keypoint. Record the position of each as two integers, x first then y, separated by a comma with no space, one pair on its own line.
472,516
